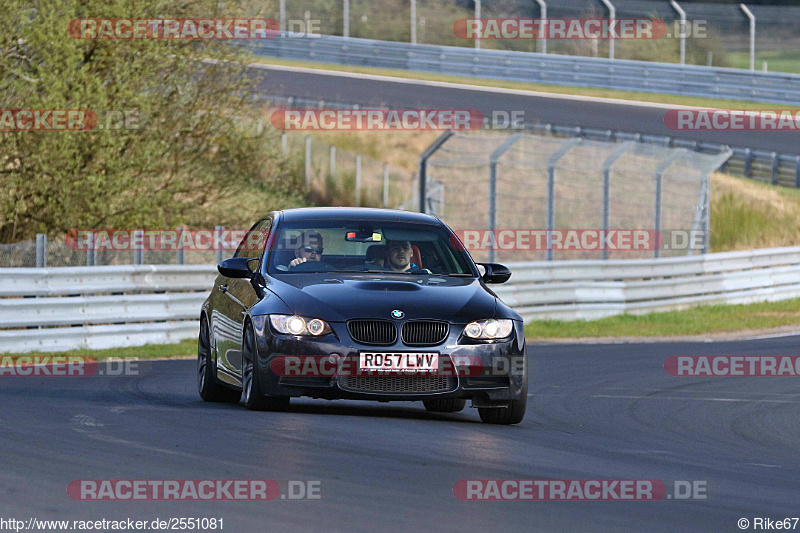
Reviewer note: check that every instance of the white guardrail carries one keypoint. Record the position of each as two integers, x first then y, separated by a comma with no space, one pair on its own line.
69,308
55,309
587,290
553,69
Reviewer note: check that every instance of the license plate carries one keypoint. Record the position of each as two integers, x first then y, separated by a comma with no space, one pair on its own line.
399,362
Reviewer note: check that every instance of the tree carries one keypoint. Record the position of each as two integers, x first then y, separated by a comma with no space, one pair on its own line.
168,144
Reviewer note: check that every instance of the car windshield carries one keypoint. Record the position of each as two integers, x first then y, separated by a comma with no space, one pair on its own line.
357,246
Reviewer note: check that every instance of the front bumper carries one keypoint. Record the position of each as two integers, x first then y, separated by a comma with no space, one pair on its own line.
486,372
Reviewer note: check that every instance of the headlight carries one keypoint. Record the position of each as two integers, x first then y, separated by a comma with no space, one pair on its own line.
298,325
489,329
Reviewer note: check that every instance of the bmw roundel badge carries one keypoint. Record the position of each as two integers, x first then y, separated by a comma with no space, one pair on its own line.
398,314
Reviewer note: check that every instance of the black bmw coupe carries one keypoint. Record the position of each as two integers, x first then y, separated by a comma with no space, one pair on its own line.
364,304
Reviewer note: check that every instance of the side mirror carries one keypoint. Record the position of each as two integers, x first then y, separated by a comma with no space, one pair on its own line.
236,267
495,273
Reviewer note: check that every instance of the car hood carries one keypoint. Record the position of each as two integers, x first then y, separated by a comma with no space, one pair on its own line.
336,298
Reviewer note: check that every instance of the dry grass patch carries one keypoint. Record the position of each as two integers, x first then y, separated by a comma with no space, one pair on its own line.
746,215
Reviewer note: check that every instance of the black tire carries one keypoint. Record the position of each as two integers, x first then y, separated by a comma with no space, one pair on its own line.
513,414
254,399
448,405
207,385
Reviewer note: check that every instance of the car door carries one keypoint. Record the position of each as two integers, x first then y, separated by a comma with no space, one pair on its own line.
240,295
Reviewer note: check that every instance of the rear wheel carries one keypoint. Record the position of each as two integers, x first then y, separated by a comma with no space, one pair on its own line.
449,405
513,414
207,385
254,399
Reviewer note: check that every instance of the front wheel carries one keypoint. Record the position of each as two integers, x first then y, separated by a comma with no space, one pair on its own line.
207,385
254,399
449,405
513,414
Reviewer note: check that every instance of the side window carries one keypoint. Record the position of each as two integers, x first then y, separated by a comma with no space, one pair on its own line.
253,243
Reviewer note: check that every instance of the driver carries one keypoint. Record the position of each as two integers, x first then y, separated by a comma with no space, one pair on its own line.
310,248
399,256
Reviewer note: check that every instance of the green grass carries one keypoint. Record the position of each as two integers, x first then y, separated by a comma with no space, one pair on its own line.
747,215
150,351
777,60
540,87
695,321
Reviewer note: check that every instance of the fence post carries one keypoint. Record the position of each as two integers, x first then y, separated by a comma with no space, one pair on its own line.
41,250
284,143
612,14
748,163
333,163
386,184
414,23
660,169
180,254
91,253
308,161
682,15
423,167
707,217
478,17
138,243
551,190
752,19
358,180
218,244
607,164
345,19
541,43
774,176
797,172
493,159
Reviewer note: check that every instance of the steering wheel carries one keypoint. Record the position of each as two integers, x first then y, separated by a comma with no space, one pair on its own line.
312,266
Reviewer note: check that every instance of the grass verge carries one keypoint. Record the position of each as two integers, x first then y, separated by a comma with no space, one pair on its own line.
777,60
694,321
747,215
150,351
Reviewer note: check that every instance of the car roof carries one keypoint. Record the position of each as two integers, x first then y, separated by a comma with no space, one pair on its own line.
304,214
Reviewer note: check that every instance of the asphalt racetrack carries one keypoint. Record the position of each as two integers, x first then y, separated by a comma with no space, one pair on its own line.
569,111
597,412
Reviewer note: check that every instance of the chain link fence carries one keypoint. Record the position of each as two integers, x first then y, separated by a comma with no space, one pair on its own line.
494,183
716,33
59,251
333,176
